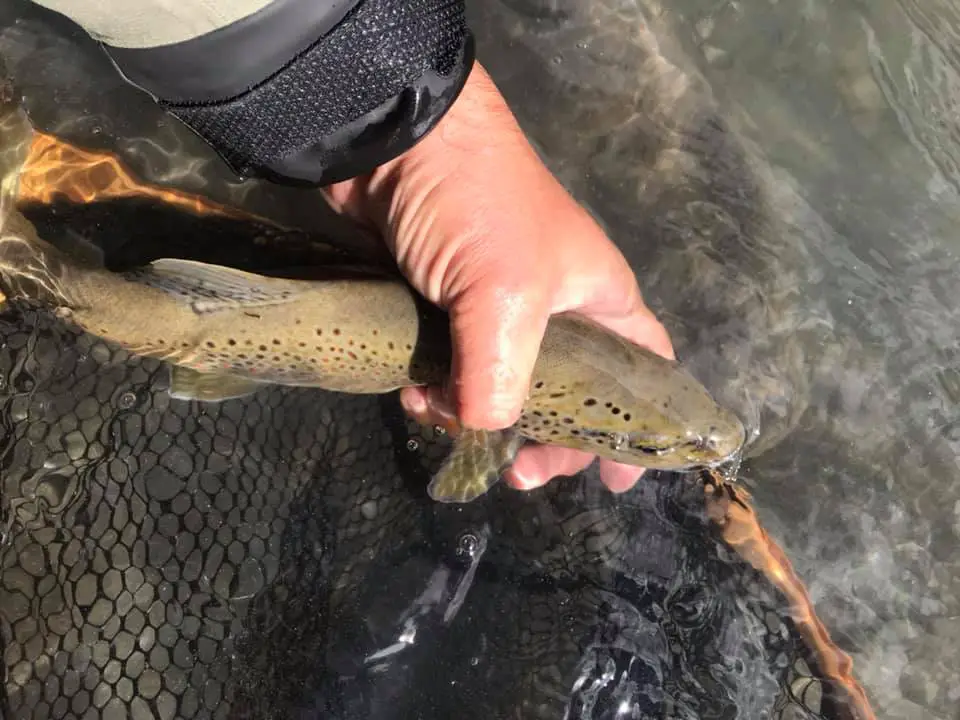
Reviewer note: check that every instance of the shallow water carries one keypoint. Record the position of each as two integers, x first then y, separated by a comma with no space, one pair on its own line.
782,176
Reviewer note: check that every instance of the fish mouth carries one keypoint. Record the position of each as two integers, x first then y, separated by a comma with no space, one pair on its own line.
701,452
717,449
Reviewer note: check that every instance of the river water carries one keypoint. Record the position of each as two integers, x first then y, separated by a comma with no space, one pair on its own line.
784,179
849,112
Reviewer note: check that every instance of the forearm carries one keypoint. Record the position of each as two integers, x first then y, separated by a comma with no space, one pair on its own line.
314,91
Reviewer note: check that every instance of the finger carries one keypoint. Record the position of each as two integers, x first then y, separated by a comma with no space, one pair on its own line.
618,477
496,335
536,465
610,295
429,406
639,325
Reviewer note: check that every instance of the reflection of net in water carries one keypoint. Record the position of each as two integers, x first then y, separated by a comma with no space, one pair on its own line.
729,508
244,559
56,168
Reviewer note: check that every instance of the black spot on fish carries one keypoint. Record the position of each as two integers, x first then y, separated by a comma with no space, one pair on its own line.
231,342
253,315
590,402
554,413
336,331
263,348
626,416
608,405
616,411
319,332
556,395
539,385
568,420
276,342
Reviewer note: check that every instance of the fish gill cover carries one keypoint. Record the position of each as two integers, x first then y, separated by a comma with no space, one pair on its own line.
277,556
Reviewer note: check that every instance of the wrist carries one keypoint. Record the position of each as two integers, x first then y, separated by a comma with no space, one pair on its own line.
308,91
477,125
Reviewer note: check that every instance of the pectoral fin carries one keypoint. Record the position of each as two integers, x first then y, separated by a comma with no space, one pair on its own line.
474,465
187,384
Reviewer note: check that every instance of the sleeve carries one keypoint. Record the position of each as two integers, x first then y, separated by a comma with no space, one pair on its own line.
297,91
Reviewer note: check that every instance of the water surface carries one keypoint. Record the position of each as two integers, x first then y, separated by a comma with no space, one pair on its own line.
783,178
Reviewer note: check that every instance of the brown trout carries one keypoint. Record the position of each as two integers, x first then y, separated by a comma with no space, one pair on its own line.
226,332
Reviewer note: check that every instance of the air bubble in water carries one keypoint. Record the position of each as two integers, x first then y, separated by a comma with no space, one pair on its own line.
467,545
127,400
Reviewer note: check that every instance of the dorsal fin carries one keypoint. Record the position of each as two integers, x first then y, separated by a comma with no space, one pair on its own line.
209,288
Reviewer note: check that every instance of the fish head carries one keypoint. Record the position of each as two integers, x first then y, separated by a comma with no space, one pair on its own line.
679,429
683,446
627,404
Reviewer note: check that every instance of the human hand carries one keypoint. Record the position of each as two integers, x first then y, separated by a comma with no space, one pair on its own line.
479,226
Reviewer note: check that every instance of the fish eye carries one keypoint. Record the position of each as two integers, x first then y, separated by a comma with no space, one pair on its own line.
649,450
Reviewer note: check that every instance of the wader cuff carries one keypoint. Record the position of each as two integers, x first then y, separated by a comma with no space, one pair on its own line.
312,91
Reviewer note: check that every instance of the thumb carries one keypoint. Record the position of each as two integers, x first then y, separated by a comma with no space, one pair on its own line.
496,328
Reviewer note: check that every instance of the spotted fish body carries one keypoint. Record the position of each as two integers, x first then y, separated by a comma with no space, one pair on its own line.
227,332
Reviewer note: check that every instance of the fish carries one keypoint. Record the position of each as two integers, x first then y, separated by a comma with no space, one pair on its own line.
227,332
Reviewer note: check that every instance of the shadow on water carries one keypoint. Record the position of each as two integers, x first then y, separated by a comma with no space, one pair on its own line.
277,556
